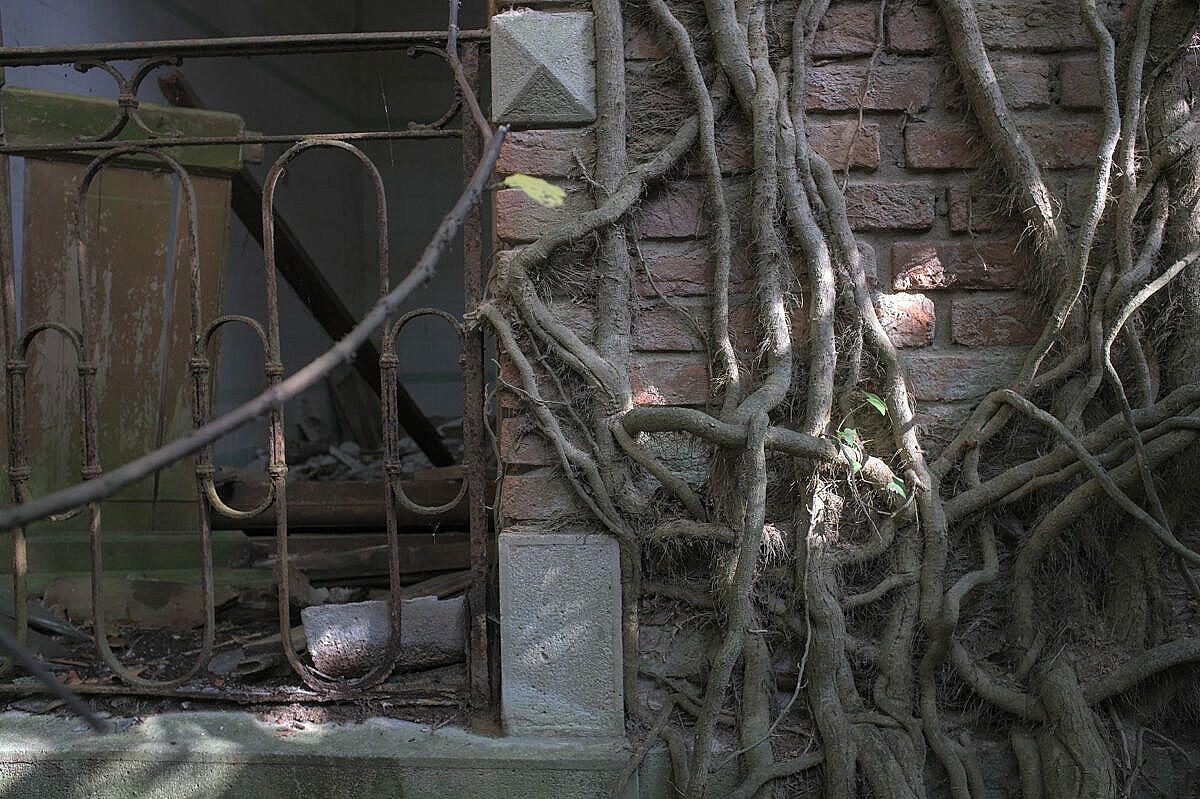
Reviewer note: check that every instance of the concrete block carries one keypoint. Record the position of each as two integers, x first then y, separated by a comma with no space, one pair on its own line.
348,639
560,634
543,68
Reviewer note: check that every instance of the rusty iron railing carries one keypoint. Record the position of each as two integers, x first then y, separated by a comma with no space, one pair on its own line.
88,350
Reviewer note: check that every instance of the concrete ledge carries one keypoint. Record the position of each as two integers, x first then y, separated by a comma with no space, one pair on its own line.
184,755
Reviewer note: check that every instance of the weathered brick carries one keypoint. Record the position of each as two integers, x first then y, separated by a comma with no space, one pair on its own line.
1040,25
643,42
579,318
913,29
869,261
978,209
1058,144
684,268
940,422
1067,144
890,206
907,318
846,29
522,444
672,213
949,376
677,269
1079,82
896,87
547,153
1025,80
669,379
829,137
519,218
734,153
540,494
970,264
746,330
662,328
948,145
832,140
986,320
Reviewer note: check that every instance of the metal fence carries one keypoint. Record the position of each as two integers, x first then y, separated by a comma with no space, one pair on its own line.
89,351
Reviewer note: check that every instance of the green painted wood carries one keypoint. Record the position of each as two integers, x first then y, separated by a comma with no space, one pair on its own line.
63,551
35,118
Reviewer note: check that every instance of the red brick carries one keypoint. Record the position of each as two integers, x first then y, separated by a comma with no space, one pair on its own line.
896,87
670,379
655,91
672,213
969,264
1079,82
522,444
580,319
949,376
1058,144
509,376
541,494
1025,80
977,209
907,318
890,206
643,41
847,29
949,145
831,140
663,328
993,319
1063,145
519,218
746,332
913,29
1068,144
1036,25
869,261
678,269
940,422
734,153
546,153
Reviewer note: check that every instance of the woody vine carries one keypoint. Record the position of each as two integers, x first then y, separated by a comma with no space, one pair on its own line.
1021,586
875,609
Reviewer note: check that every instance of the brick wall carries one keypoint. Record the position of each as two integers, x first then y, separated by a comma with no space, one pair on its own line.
928,210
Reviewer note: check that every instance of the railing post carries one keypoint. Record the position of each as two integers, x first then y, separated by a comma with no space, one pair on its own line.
479,655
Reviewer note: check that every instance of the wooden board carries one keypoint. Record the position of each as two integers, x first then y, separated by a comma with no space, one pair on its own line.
130,212
34,117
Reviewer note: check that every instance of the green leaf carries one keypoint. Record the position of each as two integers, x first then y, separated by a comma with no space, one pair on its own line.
855,465
536,189
896,487
877,403
849,436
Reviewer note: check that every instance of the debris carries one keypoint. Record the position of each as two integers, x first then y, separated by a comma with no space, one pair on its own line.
40,618
226,662
349,639
328,558
146,604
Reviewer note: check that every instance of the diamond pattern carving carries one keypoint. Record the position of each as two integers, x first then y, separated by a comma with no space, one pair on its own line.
543,68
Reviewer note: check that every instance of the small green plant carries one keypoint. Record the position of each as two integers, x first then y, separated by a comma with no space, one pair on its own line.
852,445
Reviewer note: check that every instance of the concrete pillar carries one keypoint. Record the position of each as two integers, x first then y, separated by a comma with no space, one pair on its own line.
560,634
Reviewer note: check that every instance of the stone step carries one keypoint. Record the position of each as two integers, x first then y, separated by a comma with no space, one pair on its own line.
208,754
